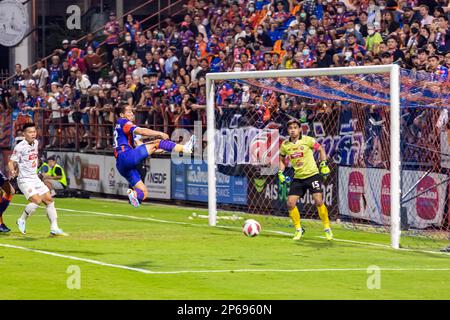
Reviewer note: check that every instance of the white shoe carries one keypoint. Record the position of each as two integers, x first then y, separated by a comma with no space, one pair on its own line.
21,224
132,196
58,232
190,145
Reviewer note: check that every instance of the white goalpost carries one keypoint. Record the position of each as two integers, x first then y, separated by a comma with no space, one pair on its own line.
395,159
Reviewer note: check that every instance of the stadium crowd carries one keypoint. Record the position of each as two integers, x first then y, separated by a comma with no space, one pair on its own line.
161,72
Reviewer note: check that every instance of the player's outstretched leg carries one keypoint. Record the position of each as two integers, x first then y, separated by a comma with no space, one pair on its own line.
323,214
168,145
295,216
4,203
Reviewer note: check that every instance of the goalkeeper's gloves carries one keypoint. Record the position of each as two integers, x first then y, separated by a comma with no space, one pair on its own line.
282,178
324,169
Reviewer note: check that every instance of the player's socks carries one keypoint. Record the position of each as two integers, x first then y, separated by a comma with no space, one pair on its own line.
167,145
29,210
295,216
52,216
4,203
140,194
323,214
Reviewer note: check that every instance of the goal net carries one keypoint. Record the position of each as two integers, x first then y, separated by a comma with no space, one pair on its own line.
384,130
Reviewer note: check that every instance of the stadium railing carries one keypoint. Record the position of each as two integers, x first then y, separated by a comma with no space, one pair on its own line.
88,132
158,13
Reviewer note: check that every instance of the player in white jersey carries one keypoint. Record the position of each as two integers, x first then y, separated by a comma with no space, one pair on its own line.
25,156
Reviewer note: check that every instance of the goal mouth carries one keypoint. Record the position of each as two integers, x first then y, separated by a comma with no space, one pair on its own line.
378,126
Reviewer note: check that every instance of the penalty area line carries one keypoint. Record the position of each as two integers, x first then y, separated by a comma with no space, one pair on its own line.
140,270
361,243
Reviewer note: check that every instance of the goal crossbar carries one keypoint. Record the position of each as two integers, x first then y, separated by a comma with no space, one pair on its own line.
395,159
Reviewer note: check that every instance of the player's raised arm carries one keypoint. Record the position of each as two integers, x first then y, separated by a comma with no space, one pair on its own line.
151,133
126,116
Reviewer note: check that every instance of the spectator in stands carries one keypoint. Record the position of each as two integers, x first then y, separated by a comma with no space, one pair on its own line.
125,96
82,83
422,60
91,42
171,58
220,37
200,27
75,57
263,39
442,38
427,19
390,26
139,71
324,59
408,16
393,49
112,32
57,117
93,64
41,74
129,45
142,47
17,78
373,39
132,27
386,58
64,52
55,70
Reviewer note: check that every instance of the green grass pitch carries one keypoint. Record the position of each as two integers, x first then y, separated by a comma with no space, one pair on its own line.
163,252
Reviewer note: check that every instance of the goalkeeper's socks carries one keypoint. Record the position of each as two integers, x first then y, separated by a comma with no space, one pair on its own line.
295,216
323,214
166,145
4,203
140,194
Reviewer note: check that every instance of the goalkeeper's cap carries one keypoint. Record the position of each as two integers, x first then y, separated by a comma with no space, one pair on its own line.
292,121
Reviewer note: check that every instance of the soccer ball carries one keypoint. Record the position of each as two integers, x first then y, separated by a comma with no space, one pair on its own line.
251,228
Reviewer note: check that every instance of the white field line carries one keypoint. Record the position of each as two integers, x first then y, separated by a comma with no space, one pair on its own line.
71,215
106,214
75,258
100,263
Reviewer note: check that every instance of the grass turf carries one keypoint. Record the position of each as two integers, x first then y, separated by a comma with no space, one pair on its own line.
162,238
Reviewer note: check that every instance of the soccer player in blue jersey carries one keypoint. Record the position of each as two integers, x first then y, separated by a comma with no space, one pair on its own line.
129,151
6,198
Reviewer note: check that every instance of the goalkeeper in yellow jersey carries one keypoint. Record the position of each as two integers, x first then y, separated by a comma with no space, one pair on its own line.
299,149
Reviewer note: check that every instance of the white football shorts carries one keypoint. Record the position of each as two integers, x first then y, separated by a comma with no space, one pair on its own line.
30,188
